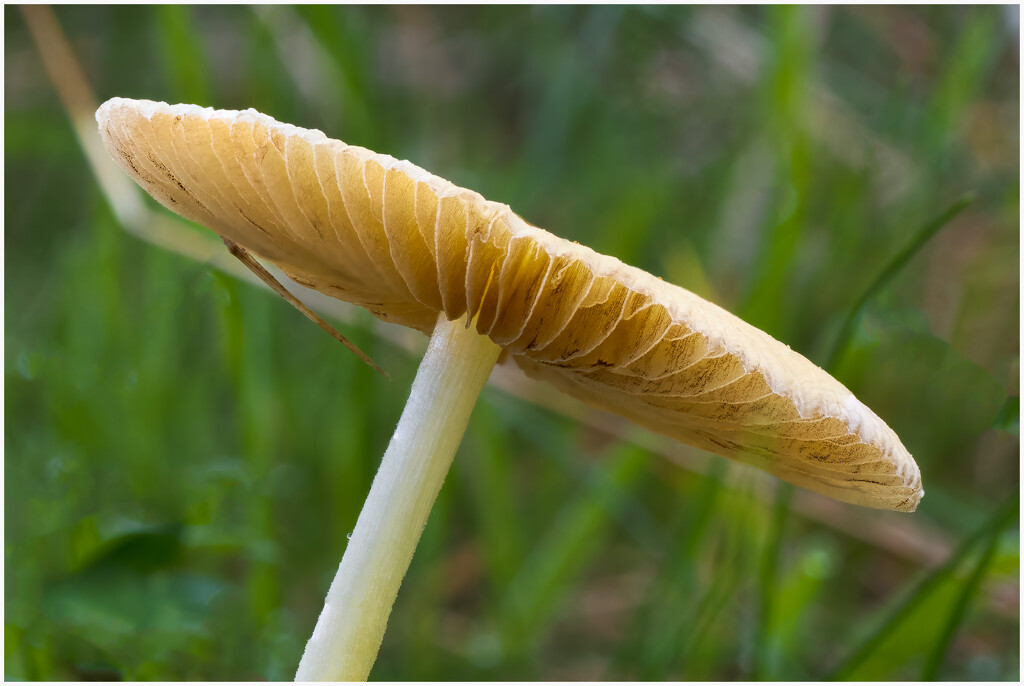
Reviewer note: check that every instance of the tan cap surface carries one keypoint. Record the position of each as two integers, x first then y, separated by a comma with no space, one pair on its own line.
405,244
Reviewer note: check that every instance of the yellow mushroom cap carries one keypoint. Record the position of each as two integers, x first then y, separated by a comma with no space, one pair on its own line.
406,245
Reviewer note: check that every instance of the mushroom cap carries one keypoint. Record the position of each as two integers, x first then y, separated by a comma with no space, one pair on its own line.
405,244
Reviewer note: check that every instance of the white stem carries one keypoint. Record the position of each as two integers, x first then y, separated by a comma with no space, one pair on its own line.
348,633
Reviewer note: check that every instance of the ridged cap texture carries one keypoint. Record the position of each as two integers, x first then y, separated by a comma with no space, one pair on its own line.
405,244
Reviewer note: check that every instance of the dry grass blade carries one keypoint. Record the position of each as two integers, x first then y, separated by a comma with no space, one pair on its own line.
79,102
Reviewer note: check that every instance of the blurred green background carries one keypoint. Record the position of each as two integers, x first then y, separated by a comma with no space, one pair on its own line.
185,454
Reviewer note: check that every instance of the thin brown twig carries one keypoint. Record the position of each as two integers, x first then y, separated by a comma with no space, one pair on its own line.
246,258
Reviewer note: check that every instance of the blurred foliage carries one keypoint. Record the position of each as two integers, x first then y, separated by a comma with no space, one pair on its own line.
185,455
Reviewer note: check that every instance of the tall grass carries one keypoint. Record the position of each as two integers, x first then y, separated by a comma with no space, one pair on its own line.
185,455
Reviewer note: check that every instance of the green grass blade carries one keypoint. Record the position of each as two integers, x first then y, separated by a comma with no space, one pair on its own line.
920,239
765,643
790,74
969,591
968,61
699,652
569,544
919,594
710,609
486,476
185,61
342,34
661,620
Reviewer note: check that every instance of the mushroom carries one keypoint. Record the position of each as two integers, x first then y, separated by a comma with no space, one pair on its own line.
417,250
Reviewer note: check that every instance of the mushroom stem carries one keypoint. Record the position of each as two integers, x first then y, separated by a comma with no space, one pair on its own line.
351,626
